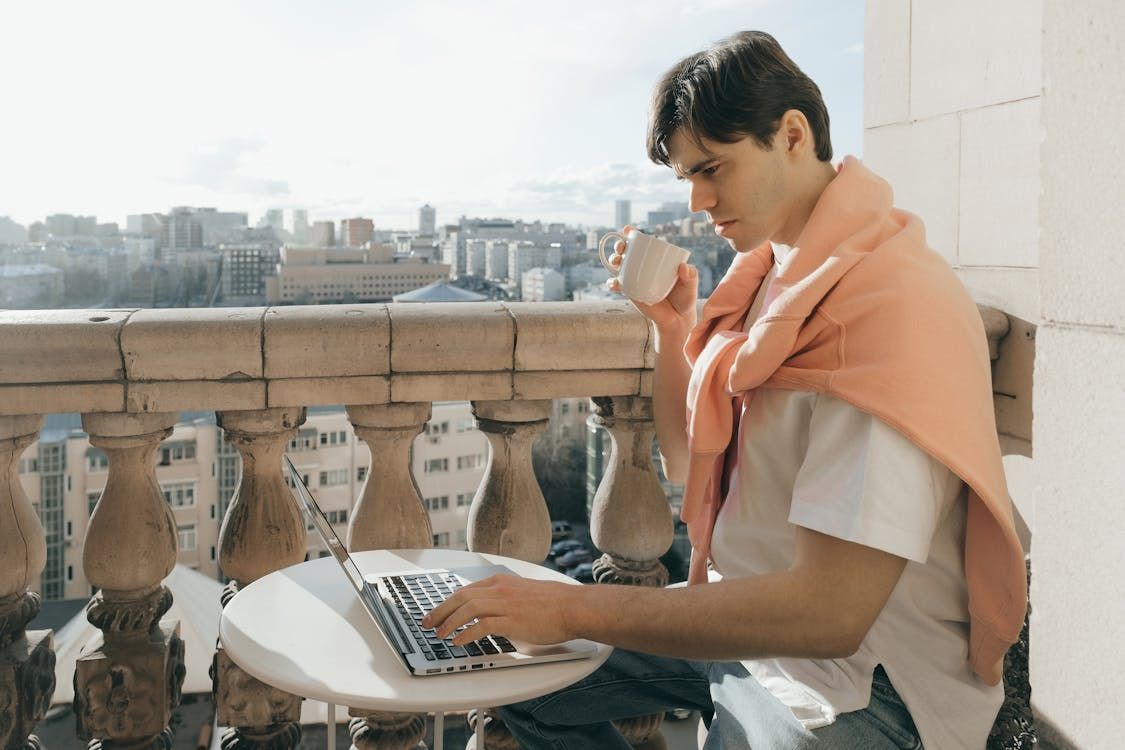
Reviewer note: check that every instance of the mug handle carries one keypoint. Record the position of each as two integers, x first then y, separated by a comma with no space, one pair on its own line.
601,250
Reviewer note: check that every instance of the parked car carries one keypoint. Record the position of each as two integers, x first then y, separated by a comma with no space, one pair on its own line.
583,573
560,530
563,546
574,557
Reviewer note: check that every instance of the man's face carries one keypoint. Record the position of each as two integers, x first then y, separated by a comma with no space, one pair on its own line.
743,187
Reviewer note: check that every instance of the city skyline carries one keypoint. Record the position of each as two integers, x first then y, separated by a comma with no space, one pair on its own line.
372,111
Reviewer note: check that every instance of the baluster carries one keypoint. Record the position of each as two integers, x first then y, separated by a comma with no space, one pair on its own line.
27,659
509,515
127,687
631,521
388,515
263,531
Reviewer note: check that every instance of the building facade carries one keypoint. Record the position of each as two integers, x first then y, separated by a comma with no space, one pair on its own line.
319,275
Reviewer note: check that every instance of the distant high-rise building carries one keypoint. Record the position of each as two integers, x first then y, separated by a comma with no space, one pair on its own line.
356,232
622,213
10,231
274,219
322,234
181,231
427,220
220,226
145,225
300,225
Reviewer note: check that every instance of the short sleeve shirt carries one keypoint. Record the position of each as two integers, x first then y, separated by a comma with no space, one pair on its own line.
814,461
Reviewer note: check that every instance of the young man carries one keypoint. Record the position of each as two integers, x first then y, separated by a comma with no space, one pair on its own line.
839,452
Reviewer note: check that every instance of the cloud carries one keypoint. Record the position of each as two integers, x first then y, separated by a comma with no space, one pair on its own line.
220,166
595,188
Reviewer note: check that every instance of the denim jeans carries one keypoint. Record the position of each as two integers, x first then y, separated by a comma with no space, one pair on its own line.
744,714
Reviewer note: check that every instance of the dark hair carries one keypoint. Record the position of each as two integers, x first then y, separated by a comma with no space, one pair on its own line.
739,87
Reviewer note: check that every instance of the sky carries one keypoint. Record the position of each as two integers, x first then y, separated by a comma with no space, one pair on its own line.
532,110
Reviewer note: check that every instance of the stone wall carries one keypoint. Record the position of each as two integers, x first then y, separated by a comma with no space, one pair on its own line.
996,123
1078,628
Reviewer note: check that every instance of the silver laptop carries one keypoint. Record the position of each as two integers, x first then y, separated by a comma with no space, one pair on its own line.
397,603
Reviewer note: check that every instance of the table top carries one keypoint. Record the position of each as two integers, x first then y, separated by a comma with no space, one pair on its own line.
303,629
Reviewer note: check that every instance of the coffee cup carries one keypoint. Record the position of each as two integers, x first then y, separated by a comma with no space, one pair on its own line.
650,266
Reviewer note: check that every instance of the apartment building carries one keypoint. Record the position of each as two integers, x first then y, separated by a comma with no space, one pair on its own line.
318,275
198,473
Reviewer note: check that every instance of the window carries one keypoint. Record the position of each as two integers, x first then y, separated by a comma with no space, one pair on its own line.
462,537
212,510
464,499
436,465
441,539
177,452
333,477
186,536
304,441
92,499
69,573
466,425
361,473
31,465
96,460
212,552
436,503
470,462
69,529
179,494
337,516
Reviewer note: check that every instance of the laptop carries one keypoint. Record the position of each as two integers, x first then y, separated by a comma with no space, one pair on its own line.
398,602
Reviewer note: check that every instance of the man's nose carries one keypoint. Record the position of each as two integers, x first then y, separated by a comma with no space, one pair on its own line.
701,198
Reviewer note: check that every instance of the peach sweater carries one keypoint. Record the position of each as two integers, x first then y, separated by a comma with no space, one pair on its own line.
865,311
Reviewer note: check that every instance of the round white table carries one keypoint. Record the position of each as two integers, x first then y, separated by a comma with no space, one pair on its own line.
303,629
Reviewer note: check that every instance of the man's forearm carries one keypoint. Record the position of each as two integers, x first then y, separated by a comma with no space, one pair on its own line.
671,374
749,618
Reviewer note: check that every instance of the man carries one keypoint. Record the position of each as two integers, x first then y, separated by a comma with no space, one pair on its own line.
853,502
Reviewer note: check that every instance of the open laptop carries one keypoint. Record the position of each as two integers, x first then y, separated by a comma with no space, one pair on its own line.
398,602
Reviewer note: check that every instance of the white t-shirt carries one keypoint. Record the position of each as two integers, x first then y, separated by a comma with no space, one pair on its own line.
814,461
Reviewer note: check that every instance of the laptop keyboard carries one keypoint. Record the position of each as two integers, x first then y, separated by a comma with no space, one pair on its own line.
415,595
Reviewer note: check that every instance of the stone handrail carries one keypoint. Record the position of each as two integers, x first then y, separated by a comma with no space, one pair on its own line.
167,360
129,372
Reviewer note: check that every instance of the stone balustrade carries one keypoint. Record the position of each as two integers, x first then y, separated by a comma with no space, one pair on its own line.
129,372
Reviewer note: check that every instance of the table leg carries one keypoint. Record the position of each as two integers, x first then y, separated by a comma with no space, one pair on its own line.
439,730
331,726
480,729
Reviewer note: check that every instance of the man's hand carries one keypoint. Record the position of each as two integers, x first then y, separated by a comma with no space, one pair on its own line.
676,312
523,609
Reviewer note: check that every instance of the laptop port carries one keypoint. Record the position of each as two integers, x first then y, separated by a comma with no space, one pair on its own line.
478,666
449,669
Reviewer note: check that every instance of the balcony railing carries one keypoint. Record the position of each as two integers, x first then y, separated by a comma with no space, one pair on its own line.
130,372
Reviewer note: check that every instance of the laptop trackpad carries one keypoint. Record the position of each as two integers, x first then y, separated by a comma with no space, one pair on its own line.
473,573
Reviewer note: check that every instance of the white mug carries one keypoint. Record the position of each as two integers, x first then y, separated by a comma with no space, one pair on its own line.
650,266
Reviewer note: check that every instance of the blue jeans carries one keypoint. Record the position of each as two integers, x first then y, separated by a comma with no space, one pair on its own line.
744,714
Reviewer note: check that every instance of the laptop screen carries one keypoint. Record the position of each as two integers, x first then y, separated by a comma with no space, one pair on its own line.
320,521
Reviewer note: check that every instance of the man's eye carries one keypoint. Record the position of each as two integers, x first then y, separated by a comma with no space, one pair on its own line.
710,171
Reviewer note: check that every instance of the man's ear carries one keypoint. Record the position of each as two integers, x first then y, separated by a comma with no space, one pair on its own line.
794,129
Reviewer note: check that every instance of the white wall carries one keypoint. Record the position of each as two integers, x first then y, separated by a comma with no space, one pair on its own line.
951,117
997,123
1078,588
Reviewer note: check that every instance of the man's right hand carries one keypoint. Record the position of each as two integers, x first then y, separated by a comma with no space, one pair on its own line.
673,315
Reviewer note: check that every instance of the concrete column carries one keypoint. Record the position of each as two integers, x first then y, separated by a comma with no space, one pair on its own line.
128,685
631,521
388,515
263,531
27,659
